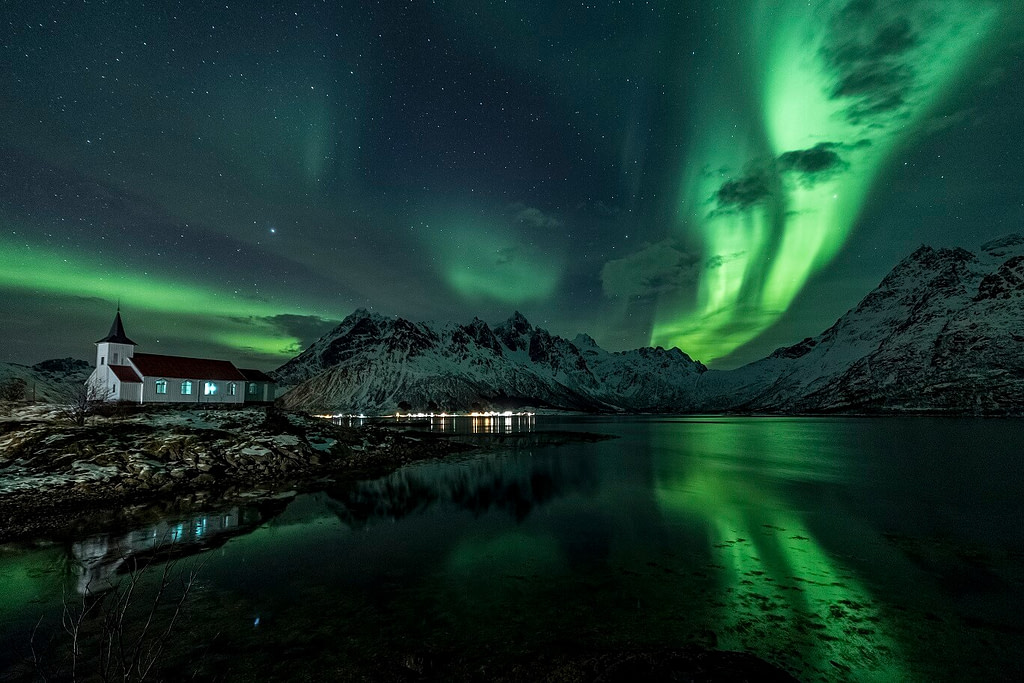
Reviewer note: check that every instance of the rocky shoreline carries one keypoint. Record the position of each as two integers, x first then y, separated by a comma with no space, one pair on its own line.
52,473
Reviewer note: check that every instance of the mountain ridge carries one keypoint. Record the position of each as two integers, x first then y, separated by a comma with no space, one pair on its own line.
372,363
943,331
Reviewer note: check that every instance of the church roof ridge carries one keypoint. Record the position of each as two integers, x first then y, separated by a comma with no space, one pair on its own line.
116,334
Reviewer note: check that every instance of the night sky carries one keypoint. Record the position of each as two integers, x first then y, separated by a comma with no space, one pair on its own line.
723,177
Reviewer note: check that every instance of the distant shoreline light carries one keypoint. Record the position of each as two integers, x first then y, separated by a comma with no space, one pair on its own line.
423,416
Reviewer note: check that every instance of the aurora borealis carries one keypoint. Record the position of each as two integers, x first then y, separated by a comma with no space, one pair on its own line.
839,85
724,179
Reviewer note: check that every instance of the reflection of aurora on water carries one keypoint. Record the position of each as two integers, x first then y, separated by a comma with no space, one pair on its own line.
781,593
838,549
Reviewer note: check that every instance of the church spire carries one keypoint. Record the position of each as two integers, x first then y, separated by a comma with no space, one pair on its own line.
116,334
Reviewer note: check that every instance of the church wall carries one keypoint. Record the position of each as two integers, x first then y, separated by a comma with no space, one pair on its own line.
264,392
106,384
174,395
129,392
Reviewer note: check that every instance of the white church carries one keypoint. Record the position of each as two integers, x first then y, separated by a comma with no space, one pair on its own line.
121,374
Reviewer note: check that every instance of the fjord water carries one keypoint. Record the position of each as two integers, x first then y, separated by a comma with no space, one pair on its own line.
838,549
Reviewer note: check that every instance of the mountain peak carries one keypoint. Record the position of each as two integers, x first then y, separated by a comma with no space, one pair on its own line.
515,333
584,341
360,314
518,323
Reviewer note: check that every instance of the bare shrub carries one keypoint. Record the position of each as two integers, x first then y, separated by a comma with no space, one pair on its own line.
118,632
84,400
13,389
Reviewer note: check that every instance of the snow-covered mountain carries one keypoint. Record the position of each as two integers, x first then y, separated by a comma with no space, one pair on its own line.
50,380
943,332
372,363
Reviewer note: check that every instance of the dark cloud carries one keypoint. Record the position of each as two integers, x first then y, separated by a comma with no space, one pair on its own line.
306,328
820,162
719,260
505,255
536,218
744,192
942,122
761,177
870,52
657,268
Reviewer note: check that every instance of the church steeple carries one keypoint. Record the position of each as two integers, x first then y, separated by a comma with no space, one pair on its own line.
116,334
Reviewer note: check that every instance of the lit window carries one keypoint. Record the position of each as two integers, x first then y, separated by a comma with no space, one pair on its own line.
161,386
186,388
252,388
231,389
209,389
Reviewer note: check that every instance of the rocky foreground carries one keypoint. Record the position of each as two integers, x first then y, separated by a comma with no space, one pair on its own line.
52,470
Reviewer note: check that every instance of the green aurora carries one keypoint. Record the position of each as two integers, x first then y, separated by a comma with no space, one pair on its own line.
231,320
495,265
841,87
710,176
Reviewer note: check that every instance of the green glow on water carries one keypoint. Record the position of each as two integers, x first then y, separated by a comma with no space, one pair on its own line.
30,579
779,588
770,536
842,87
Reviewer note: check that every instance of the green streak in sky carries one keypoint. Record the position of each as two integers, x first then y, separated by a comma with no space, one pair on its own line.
494,264
229,319
842,86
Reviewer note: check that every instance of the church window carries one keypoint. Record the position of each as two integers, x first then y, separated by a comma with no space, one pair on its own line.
253,388
113,359
161,386
231,389
186,388
103,360
209,389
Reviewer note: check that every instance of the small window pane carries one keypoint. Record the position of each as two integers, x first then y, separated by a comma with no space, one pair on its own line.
161,386
186,388
231,389
209,389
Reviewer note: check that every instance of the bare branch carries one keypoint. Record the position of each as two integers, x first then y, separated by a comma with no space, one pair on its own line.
136,619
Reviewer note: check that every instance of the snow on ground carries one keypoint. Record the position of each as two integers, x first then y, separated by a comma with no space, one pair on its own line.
18,478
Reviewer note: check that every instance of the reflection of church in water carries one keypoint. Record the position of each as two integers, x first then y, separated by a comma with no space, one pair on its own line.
100,559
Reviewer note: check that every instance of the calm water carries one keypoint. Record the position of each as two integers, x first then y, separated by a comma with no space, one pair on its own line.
887,549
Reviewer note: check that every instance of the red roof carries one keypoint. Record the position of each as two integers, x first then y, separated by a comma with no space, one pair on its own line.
179,367
125,374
